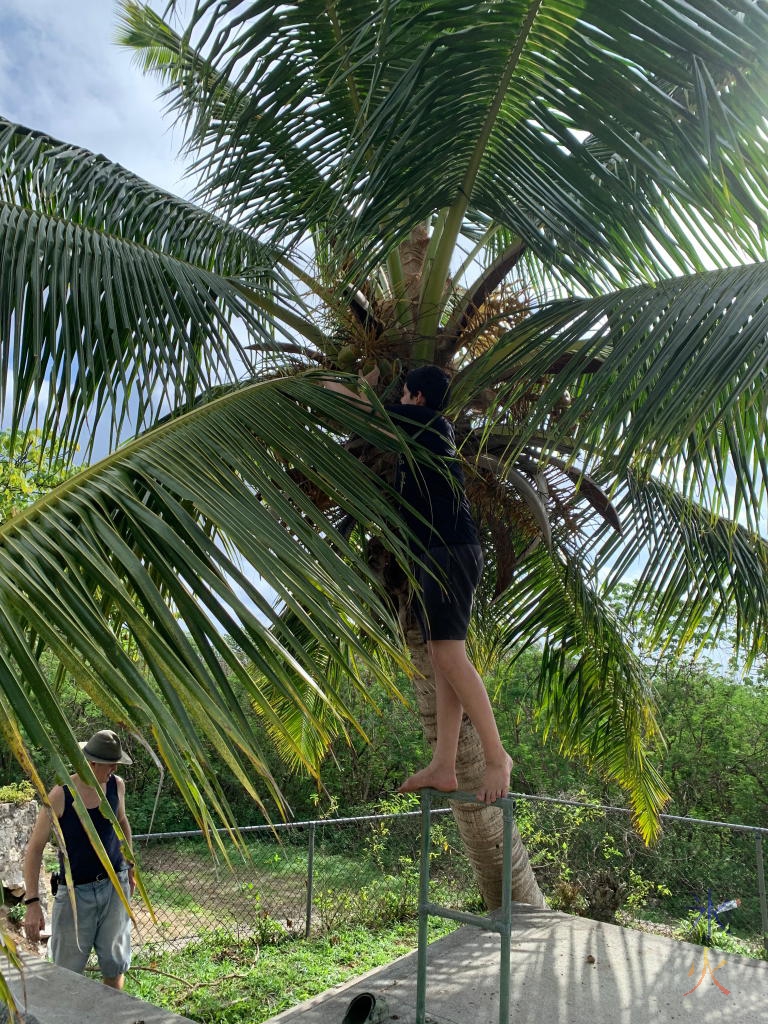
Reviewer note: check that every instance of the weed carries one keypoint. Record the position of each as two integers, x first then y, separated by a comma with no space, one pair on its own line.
640,890
703,931
265,929
16,913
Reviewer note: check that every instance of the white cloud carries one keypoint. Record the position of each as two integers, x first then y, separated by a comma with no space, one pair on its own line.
62,73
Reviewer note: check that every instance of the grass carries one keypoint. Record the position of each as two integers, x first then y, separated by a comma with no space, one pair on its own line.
220,980
693,928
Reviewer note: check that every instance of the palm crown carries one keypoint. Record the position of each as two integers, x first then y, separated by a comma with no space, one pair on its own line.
562,203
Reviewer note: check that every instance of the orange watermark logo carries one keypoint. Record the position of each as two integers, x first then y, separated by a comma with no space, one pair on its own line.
707,969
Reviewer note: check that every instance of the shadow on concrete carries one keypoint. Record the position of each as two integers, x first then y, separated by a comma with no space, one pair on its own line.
565,970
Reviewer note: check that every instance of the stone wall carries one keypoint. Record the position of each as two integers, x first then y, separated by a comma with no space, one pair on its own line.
16,821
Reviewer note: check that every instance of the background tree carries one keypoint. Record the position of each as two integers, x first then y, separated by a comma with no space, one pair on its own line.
29,470
545,198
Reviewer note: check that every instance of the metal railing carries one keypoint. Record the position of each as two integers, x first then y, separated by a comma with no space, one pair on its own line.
316,877
500,922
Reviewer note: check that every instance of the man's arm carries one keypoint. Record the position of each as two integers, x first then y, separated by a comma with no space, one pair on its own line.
33,862
125,825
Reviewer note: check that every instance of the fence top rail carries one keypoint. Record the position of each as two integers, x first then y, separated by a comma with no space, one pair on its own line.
756,830
283,826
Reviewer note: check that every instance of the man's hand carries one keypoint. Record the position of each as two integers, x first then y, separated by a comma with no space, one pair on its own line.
33,922
131,880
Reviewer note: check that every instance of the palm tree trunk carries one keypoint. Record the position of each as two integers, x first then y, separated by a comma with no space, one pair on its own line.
480,828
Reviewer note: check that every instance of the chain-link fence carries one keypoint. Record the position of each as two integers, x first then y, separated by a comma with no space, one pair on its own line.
320,876
701,875
299,879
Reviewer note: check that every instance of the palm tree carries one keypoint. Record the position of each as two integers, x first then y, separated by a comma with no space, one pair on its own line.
563,204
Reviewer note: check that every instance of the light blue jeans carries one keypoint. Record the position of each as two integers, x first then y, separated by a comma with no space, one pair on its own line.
103,924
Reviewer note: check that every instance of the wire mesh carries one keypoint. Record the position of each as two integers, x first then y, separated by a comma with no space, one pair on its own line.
314,878
302,879
700,875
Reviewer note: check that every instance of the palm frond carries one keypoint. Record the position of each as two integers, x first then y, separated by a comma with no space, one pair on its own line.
220,117
116,298
594,694
361,96
650,372
527,492
699,575
593,134
138,528
341,674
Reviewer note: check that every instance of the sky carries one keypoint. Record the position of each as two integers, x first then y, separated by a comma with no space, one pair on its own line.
61,72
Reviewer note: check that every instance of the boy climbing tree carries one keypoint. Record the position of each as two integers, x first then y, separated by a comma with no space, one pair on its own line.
448,568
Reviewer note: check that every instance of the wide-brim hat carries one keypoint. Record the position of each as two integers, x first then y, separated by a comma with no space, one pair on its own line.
104,748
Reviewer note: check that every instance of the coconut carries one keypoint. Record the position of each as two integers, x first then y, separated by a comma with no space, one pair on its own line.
347,357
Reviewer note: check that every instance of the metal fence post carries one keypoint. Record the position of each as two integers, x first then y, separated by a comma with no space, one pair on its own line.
505,921
761,890
490,922
310,879
424,865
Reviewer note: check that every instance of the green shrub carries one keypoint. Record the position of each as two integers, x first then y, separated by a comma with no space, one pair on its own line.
17,793
386,900
16,913
266,931
703,931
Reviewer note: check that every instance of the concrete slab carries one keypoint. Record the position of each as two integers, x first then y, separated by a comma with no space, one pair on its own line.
565,970
56,996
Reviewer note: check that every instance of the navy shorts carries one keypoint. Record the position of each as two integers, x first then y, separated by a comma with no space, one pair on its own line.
448,581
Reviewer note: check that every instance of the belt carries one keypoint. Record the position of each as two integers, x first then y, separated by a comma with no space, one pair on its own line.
89,881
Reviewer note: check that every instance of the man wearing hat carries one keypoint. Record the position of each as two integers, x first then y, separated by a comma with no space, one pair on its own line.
102,922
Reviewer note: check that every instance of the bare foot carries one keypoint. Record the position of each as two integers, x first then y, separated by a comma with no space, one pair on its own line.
495,780
431,777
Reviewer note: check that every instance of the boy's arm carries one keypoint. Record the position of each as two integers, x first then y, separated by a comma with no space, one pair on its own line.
342,389
371,378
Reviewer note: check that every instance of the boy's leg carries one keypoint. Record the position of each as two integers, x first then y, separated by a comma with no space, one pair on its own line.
440,773
459,688
450,661
447,592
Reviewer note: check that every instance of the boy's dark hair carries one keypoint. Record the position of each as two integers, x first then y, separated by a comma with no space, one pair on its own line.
432,382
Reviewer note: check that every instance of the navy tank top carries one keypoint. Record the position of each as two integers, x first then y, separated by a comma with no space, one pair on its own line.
83,859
